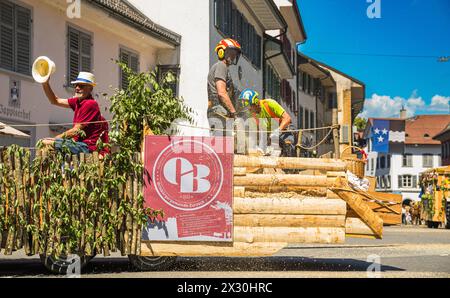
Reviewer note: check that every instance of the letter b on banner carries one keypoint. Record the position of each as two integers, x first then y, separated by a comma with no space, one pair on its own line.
190,178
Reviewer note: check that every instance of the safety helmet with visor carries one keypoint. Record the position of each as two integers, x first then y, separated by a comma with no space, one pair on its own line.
229,50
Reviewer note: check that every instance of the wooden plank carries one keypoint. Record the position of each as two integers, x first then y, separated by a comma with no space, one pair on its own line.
389,219
289,163
195,249
284,180
289,235
308,206
356,202
387,197
372,183
357,226
277,220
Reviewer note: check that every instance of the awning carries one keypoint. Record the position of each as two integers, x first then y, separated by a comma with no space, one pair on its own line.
293,19
9,131
266,13
275,55
308,66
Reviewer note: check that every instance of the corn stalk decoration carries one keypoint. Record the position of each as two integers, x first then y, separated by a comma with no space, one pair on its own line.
60,204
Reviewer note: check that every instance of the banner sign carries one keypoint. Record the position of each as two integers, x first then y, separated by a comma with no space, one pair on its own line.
191,180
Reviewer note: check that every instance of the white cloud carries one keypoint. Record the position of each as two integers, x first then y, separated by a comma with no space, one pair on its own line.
440,103
387,106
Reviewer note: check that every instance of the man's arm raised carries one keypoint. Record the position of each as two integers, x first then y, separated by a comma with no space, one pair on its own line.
54,100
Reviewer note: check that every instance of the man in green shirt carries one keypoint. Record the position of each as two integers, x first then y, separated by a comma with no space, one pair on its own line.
268,112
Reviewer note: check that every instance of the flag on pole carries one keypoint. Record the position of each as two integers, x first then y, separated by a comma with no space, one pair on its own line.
380,136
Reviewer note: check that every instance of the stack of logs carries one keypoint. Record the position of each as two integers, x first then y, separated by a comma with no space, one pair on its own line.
273,209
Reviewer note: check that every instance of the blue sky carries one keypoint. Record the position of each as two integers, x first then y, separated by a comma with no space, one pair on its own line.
338,29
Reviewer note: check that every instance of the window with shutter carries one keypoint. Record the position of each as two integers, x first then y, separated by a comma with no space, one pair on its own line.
131,60
15,37
23,40
79,53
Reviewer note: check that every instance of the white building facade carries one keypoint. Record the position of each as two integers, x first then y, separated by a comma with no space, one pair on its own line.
105,31
260,26
399,170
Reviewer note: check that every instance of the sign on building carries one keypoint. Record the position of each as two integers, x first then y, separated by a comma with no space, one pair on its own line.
191,180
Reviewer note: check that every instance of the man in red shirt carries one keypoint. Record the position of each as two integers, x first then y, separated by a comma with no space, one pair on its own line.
87,118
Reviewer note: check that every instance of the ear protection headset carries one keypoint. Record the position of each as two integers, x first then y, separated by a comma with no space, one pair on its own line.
221,53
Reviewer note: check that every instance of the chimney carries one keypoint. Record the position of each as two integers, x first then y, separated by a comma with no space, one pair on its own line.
403,114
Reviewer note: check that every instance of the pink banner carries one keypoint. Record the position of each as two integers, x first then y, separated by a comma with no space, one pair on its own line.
191,180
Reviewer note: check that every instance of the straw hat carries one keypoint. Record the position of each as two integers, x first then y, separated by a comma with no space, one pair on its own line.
42,69
85,78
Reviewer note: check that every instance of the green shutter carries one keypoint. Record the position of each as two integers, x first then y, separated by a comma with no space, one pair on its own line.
7,35
400,184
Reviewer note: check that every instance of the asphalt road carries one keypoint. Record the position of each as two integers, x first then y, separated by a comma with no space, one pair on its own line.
404,252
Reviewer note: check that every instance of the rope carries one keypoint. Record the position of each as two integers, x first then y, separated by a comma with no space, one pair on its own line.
184,125
54,124
318,144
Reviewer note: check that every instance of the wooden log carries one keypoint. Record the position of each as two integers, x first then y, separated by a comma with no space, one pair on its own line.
239,171
309,206
43,233
28,197
357,227
289,235
332,195
82,244
129,219
283,180
20,210
75,200
194,249
336,174
317,191
98,228
276,220
289,163
356,202
11,239
239,191
136,236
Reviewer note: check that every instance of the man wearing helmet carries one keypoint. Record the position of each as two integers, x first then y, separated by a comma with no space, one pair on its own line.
220,84
269,111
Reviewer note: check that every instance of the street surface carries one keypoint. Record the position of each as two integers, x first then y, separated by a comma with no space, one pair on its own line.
404,252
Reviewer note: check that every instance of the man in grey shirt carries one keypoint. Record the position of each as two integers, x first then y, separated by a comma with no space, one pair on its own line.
220,85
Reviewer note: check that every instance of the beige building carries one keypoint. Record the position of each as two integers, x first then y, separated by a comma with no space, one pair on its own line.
107,30
323,89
